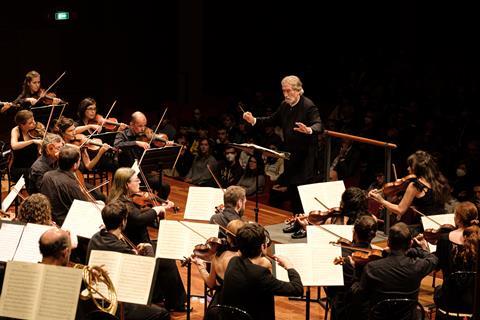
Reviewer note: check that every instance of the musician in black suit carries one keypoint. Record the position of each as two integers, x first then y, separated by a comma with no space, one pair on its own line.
300,121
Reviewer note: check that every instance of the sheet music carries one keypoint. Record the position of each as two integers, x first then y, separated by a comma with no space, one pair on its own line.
13,193
313,263
201,202
131,275
135,167
45,292
329,193
10,234
84,218
28,249
448,218
318,236
176,241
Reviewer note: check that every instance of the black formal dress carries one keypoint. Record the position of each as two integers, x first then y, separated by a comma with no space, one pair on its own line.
252,288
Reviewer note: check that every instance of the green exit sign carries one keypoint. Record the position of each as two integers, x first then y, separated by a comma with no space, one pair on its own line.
62,15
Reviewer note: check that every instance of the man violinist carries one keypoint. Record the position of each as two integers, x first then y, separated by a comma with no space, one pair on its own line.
131,148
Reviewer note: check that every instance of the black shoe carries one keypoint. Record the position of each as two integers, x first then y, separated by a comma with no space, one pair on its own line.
299,234
291,227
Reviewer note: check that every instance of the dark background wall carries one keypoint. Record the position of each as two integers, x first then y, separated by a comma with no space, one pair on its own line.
150,54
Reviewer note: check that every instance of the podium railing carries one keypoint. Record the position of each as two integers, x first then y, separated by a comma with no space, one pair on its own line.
388,157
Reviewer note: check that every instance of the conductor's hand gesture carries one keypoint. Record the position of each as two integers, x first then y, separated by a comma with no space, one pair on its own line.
247,116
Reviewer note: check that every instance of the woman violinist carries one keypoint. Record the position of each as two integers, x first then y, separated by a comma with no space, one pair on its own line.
457,251
427,191
65,127
87,115
25,148
125,184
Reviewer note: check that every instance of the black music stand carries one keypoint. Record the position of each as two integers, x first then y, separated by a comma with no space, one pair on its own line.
259,151
159,158
42,113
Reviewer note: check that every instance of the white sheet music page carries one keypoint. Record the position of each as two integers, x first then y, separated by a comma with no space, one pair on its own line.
13,193
176,241
448,218
313,263
131,274
135,167
318,236
10,234
201,202
329,193
84,218
28,249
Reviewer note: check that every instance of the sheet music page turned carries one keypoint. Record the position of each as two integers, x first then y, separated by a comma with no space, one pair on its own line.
318,236
313,263
201,202
131,274
28,250
10,234
329,193
13,193
176,241
448,218
45,292
84,218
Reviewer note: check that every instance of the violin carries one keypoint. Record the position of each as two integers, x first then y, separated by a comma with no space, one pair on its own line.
145,199
94,144
48,99
208,250
392,188
432,235
317,217
360,256
159,140
38,132
111,124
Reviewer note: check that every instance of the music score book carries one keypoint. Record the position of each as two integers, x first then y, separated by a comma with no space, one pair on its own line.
19,241
131,275
448,218
329,193
84,218
314,263
176,241
201,202
7,202
39,291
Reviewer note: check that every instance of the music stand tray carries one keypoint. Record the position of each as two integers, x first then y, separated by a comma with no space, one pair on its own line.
159,158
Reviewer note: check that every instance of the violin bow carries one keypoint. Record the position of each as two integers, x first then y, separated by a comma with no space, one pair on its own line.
99,186
215,178
394,171
191,229
153,136
48,123
96,130
54,83
323,204
331,232
424,215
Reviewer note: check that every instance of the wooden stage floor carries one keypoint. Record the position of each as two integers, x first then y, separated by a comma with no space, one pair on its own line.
285,309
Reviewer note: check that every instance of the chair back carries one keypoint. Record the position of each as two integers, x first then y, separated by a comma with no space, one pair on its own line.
397,309
457,293
224,312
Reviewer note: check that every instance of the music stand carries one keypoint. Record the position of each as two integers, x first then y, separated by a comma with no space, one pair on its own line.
42,113
258,151
159,158
106,137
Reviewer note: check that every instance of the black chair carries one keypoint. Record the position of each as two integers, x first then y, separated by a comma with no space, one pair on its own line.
223,312
455,297
397,308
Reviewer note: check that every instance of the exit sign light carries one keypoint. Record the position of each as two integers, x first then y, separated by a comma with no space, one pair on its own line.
62,15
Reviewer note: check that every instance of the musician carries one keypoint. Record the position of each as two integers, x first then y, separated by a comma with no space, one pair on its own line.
428,192
35,208
131,148
32,91
114,216
364,230
66,128
61,185
125,184
87,113
300,122
48,161
55,247
25,148
234,200
457,251
399,274
219,262
252,287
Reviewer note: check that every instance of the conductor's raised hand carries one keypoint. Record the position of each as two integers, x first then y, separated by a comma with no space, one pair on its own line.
248,116
302,128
